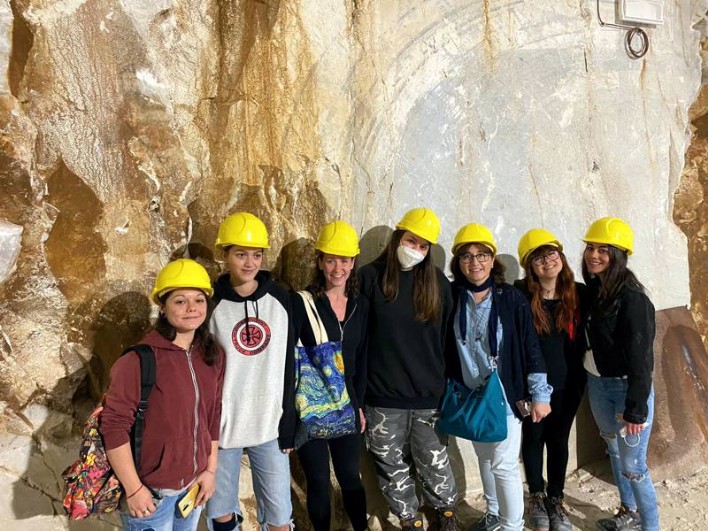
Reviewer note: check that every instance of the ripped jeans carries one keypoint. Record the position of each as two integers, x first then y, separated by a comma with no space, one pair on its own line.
270,470
628,455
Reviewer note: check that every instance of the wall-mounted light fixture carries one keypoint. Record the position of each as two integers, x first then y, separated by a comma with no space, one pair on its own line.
649,12
642,11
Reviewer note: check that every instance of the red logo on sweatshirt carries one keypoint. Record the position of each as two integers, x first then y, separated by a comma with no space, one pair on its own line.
251,336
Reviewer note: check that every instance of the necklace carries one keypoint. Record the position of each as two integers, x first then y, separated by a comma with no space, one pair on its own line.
548,294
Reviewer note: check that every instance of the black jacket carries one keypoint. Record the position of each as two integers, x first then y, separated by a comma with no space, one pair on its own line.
622,342
353,345
406,363
520,352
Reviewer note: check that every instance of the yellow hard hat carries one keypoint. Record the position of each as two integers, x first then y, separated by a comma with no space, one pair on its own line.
534,239
422,222
182,273
474,233
242,228
339,238
611,231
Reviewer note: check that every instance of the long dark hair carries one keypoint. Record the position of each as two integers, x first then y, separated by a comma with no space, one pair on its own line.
498,272
565,289
318,284
426,289
613,281
202,336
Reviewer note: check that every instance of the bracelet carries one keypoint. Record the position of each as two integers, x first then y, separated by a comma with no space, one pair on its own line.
134,493
207,470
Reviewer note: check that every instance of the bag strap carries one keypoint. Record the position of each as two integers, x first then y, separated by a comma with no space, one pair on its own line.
318,328
461,410
148,374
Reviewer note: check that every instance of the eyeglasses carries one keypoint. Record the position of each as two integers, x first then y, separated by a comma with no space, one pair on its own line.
481,257
551,256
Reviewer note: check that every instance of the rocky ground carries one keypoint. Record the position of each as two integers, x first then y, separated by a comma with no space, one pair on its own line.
683,505
683,502
591,495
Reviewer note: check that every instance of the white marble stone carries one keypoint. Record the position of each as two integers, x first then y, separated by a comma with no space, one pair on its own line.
10,245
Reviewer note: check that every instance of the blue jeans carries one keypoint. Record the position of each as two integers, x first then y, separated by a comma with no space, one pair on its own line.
165,518
270,469
501,476
628,455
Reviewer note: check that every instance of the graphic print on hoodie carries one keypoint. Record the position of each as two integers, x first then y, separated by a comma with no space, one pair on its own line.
255,332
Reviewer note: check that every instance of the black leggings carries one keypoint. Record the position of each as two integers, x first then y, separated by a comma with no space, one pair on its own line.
314,457
554,432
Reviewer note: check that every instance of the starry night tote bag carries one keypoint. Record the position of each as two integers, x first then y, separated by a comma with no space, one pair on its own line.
477,415
321,398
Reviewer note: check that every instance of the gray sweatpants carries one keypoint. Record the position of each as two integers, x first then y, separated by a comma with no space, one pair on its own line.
404,440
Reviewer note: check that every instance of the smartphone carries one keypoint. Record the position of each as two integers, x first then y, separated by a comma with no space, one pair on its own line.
524,407
623,429
188,501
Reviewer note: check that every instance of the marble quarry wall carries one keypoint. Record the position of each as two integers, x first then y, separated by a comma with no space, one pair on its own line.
129,129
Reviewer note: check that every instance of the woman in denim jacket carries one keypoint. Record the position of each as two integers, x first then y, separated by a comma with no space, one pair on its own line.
492,326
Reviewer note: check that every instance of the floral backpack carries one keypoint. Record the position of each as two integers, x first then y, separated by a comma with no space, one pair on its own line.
92,487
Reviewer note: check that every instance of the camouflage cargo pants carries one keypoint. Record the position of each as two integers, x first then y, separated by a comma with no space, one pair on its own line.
405,442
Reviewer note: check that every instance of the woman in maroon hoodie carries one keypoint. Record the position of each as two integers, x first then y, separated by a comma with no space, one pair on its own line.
180,438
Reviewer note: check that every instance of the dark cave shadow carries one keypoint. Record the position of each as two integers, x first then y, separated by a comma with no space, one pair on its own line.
295,264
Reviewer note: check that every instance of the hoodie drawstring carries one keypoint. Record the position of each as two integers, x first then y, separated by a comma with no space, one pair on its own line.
245,309
248,328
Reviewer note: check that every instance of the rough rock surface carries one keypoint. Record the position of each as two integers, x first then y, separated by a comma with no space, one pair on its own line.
689,213
129,129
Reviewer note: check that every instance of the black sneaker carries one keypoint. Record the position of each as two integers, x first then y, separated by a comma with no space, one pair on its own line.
624,520
558,514
537,512
414,523
448,521
489,522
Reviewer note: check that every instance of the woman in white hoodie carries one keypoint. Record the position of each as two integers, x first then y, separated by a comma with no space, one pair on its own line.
252,323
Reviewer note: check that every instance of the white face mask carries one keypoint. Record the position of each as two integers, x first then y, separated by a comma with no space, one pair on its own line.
408,258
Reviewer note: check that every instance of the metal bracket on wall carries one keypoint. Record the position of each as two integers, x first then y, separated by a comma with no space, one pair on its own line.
633,33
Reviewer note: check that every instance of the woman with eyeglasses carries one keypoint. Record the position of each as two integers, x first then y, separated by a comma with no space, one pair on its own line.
556,301
493,327
621,328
